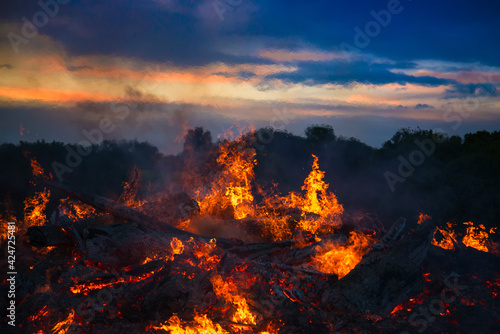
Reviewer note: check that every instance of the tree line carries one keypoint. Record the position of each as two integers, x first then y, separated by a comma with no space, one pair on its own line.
449,177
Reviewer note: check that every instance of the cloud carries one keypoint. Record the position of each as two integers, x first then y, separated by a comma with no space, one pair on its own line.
7,66
423,106
345,73
460,90
191,33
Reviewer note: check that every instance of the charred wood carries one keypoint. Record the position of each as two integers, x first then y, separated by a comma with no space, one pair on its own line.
49,235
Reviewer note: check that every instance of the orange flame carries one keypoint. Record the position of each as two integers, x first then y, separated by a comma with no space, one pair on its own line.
76,210
230,195
233,185
313,185
278,228
229,291
476,237
34,208
449,237
206,253
238,176
340,260
37,168
201,324
317,200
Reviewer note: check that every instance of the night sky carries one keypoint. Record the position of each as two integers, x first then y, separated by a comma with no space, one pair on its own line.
152,69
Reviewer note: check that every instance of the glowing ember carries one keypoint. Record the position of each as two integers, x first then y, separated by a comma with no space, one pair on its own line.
79,288
177,247
342,259
43,313
423,217
495,288
397,309
62,327
410,304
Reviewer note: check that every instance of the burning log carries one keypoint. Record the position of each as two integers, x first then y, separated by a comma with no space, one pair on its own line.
383,279
121,245
306,254
125,213
116,245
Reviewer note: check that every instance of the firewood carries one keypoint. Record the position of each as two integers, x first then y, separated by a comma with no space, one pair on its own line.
118,210
383,279
125,213
120,245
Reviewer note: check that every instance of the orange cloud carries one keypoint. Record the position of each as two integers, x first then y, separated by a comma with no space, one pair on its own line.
51,95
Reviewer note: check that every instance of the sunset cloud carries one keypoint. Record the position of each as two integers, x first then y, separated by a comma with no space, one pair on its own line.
180,63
